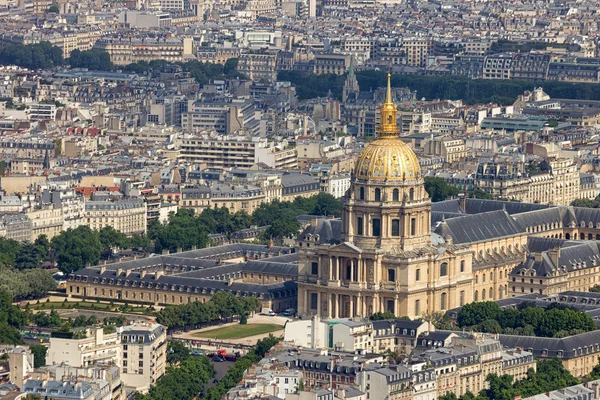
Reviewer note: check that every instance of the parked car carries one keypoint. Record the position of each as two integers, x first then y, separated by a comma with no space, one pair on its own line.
217,359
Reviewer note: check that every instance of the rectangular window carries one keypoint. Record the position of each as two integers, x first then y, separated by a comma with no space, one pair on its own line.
462,298
376,227
418,275
314,268
417,307
390,306
359,226
395,227
413,226
313,301
391,275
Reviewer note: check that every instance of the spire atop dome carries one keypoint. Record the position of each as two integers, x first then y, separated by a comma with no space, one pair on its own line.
388,95
387,127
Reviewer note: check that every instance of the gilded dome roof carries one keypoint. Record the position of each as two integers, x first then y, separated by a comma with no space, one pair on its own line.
387,159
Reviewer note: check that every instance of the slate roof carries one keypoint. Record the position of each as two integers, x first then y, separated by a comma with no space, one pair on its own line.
565,348
478,206
329,231
479,227
447,206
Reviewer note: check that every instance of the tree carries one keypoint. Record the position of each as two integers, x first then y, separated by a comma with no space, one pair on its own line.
177,352
43,244
96,60
29,256
111,238
380,316
476,313
587,203
8,252
326,204
39,355
243,319
595,289
76,248
438,189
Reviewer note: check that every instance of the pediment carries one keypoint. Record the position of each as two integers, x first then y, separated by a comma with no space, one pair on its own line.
346,247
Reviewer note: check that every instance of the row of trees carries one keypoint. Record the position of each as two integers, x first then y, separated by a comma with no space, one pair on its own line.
554,321
588,203
32,56
503,92
550,375
183,382
236,373
187,376
12,319
221,306
185,230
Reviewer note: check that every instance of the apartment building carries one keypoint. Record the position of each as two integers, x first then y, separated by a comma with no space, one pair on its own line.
46,219
258,66
497,66
220,115
331,64
84,347
417,50
144,354
125,51
219,152
126,215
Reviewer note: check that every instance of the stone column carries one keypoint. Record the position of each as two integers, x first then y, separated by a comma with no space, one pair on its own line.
329,306
352,270
351,307
330,268
396,311
305,294
359,308
337,305
319,305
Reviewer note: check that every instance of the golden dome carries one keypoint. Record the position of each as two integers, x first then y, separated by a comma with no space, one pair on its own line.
387,157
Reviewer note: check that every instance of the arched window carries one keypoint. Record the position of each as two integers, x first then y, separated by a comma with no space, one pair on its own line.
377,194
444,269
411,194
567,236
462,266
362,193
396,195
443,301
476,296
482,294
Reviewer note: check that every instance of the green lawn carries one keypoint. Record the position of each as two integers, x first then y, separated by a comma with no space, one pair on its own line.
239,331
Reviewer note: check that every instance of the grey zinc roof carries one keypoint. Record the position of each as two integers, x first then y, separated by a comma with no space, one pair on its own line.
568,347
478,206
447,206
479,227
329,231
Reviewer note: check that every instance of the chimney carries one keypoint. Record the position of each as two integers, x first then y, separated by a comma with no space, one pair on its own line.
538,256
463,202
194,247
554,255
179,249
165,252
596,389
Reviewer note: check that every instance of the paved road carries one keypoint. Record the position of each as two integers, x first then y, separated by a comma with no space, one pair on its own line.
221,369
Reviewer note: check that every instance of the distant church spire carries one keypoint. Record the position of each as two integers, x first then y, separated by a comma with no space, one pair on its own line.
351,89
46,160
